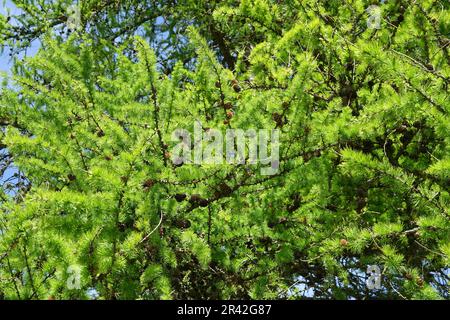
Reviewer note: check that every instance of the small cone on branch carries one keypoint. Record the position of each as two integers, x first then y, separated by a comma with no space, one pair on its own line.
420,282
235,85
225,189
203,203
180,197
195,198
148,183
278,118
228,105
182,224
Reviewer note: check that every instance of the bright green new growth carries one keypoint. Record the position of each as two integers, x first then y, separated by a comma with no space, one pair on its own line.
364,155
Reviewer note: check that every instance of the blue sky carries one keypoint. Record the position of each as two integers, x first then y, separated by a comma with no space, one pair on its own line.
5,60
6,63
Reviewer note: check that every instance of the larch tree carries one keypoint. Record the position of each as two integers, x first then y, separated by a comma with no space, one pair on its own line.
96,206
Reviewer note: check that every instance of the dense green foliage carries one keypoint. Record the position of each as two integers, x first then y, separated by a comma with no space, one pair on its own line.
364,156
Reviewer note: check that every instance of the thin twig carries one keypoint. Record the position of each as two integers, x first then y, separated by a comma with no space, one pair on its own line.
148,235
